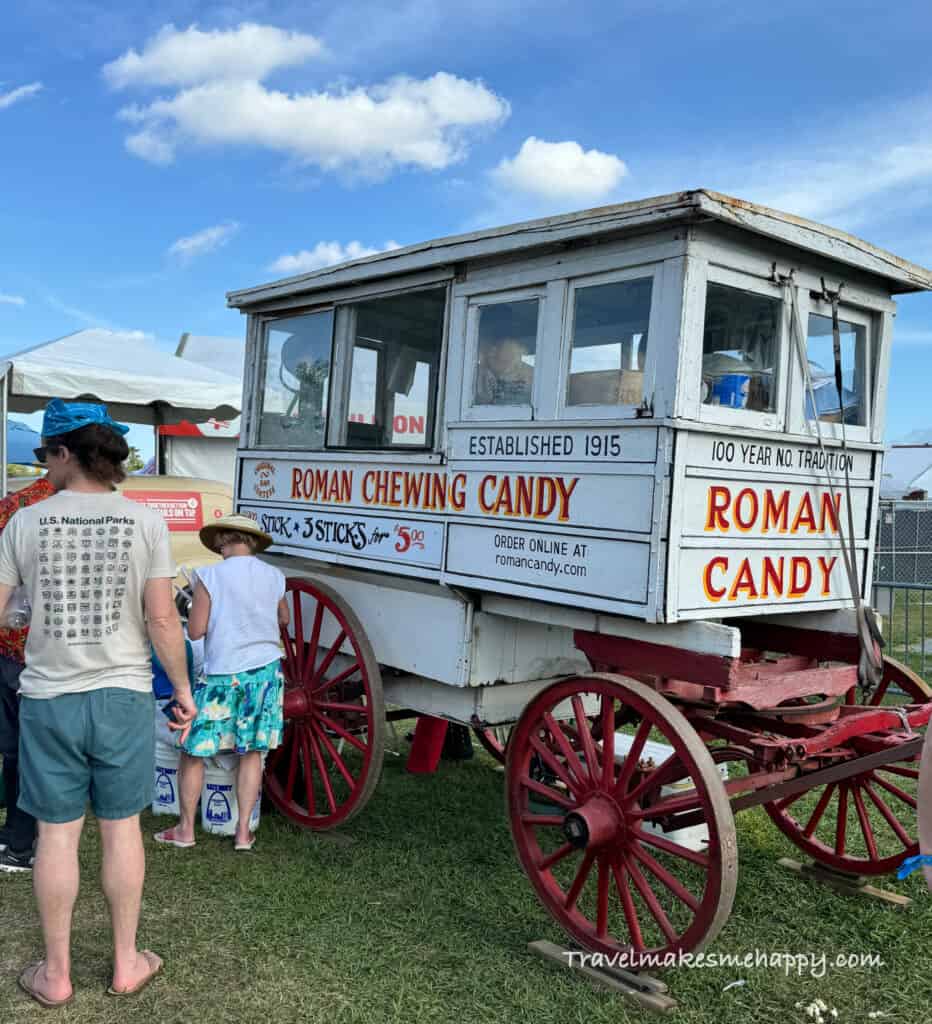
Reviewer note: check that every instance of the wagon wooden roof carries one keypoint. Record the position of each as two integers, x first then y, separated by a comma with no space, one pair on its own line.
698,204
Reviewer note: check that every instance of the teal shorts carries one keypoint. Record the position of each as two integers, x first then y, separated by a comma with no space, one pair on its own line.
97,746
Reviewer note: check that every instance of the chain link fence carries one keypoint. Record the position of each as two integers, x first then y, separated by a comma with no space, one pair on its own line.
903,580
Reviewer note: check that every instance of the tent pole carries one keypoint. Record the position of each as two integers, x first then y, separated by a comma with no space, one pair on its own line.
4,404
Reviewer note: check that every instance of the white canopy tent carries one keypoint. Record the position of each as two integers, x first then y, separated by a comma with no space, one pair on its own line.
137,381
205,448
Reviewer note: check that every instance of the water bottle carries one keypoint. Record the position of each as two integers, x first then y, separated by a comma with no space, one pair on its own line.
18,610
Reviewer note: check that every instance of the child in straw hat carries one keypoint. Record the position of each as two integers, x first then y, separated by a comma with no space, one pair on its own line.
239,608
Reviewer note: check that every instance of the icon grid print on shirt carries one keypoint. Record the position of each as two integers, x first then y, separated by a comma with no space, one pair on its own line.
83,568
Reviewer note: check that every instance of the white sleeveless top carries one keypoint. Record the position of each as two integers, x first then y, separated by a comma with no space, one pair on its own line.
242,632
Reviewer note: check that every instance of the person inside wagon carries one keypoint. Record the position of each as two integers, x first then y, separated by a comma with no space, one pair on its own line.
239,608
503,375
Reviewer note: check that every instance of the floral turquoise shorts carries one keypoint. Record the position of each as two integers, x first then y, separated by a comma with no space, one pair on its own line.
240,712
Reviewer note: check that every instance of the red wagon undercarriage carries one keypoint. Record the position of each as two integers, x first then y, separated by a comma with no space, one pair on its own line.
622,784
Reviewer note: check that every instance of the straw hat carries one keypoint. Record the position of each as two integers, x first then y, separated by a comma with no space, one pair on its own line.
242,524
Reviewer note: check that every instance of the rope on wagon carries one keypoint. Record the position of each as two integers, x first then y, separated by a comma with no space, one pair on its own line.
870,661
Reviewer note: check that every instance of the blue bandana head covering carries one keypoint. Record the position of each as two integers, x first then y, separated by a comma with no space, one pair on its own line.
62,417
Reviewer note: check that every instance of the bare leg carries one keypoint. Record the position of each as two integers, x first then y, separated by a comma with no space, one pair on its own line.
122,874
55,881
248,782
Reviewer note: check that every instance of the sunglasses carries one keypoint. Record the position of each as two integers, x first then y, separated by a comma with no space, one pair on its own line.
42,453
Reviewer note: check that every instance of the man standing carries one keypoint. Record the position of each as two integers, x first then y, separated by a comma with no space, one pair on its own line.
18,834
98,570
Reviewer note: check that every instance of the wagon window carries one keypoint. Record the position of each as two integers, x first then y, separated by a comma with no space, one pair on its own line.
505,353
609,343
396,347
295,382
829,406
740,349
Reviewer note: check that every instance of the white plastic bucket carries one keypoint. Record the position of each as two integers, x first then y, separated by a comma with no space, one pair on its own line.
219,810
165,798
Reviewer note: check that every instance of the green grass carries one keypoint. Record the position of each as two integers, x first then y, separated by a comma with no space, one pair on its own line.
417,911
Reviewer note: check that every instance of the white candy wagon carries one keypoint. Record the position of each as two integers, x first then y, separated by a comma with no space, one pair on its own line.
602,486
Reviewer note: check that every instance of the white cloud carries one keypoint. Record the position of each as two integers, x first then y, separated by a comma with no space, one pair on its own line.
208,240
7,99
560,171
183,58
324,254
220,100
12,300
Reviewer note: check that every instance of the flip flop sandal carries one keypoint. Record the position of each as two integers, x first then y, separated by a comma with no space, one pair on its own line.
27,982
245,847
166,840
140,985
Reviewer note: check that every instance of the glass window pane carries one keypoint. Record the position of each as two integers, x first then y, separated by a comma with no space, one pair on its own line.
820,349
396,360
506,350
609,343
295,382
740,349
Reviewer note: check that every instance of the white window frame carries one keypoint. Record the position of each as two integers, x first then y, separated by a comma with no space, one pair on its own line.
868,319
263,324
566,411
749,418
486,413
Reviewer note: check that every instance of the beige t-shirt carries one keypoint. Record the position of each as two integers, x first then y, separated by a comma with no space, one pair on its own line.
85,560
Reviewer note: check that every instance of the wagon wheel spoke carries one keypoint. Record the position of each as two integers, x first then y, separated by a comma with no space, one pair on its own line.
342,677
620,872
554,765
321,671
308,773
631,761
299,649
788,801
559,737
545,791
664,876
649,897
608,741
330,705
671,805
554,858
585,734
579,881
895,790
292,765
888,815
896,769
864,821
322,770
668,846
841,823
603,882
338,761
543,820
333,726
819,811
878,695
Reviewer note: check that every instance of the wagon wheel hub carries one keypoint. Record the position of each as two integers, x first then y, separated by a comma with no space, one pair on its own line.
597,823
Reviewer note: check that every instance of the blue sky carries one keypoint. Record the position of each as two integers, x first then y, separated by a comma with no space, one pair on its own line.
156,156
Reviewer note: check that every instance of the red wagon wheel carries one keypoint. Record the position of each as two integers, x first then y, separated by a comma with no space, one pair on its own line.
330,759
589,830
865,824
494,740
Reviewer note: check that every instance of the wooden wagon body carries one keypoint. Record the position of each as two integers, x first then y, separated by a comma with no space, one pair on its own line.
605,475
